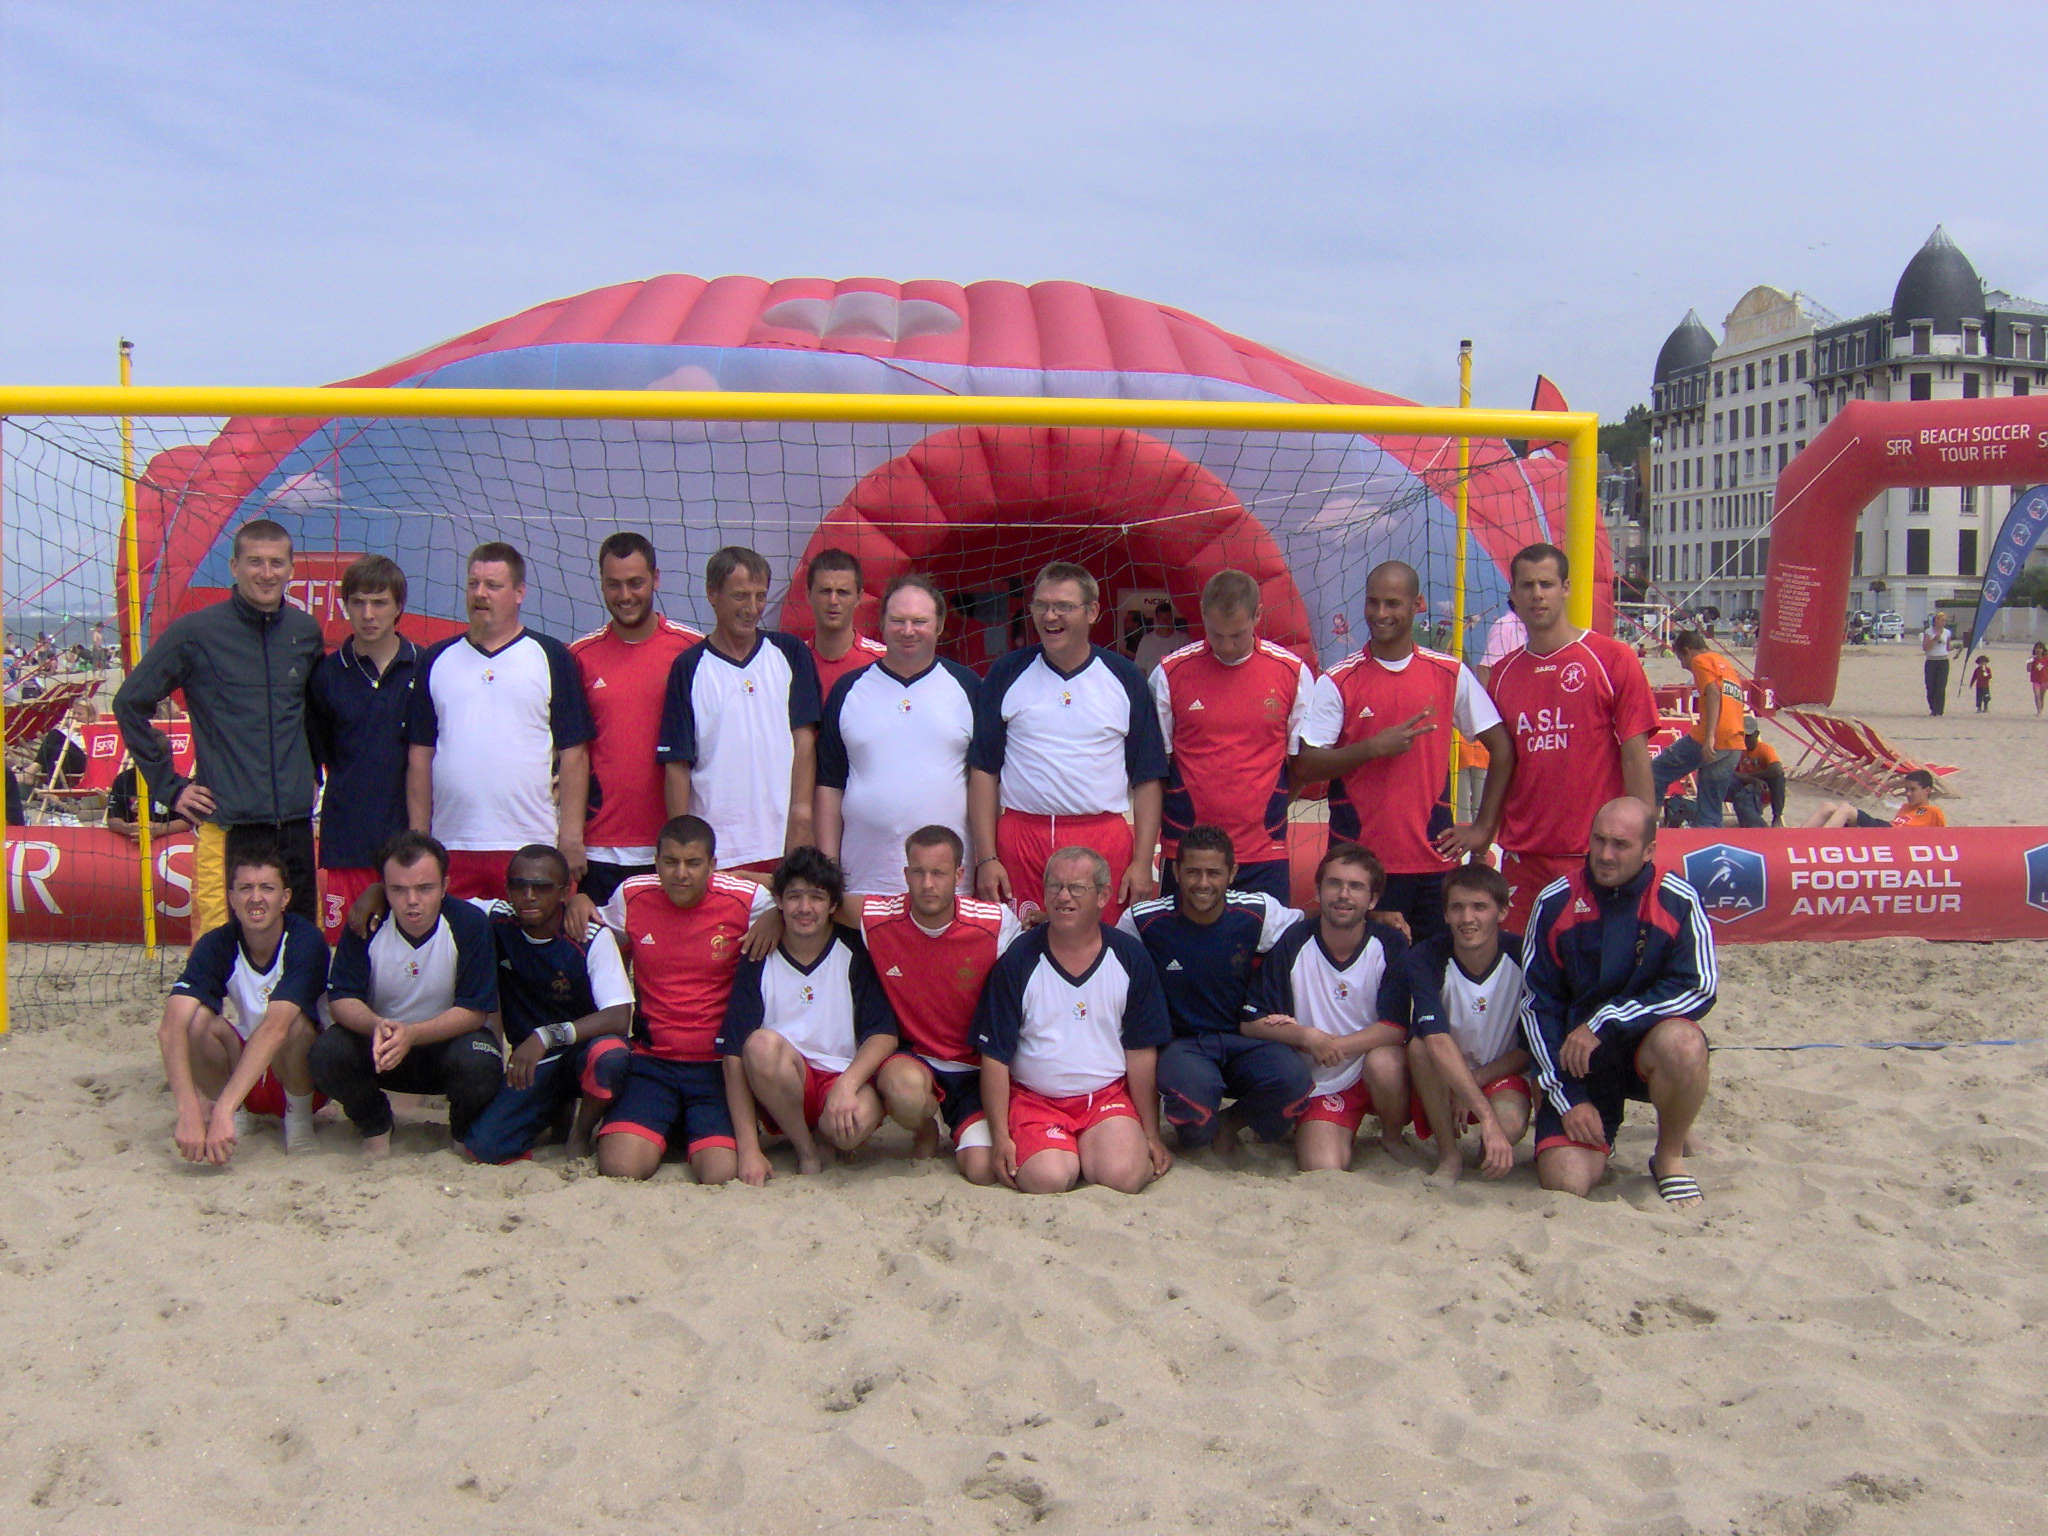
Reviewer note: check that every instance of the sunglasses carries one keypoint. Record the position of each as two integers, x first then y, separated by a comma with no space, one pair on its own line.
528,883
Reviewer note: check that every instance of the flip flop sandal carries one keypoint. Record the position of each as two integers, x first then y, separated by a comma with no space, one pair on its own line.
1677,1186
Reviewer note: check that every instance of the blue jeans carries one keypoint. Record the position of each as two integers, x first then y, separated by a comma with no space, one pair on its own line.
1682,757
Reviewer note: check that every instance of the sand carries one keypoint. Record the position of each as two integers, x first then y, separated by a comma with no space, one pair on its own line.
1849,1338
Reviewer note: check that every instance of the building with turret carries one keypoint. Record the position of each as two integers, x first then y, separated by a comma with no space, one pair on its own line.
1728,415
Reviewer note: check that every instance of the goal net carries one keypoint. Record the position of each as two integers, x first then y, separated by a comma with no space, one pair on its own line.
1152,510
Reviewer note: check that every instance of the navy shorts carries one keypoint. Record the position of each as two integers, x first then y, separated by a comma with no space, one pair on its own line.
1273,876
1611,1081
514,1120
665,1101
959,1094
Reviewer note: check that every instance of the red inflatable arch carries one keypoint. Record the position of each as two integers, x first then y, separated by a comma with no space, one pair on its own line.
1872,446
981,507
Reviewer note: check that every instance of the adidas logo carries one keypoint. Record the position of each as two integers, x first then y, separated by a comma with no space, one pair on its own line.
1365,711
895,971
1171,965
646,938
1580,905
1198,704
597,685
504,965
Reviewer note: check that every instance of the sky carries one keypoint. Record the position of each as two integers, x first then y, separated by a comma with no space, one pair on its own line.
297,193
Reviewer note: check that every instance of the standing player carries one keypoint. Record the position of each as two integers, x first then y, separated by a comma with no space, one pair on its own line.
1065,740
1230,711
682,927
1465,1052
892,750
808,1026
1377,729
243,665
1621,969
833,585
1069,1030
1581,714
1337,991
240,1020
1204,941
739,725
564,1006
412,1003
625,668
355,714
492,711
1709,750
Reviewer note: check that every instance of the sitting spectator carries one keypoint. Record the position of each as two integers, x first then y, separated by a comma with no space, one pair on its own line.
1759,782
1917,811
60,755
124,815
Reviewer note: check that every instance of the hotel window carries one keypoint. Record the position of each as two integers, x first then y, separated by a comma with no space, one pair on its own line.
1919,386
1717,386
1749,421
1784,367
2021,387
1973,387
1784,414
1656,477
1748,462
1749,376
1860,391
1717,472
1823,410
1799,364
1966,552
1969,500
1748,558
2018,346
1918,500
1685,474
1799,413
1717,426
1856,354
1781,457
1923,340
1972,335
1856,560
1916,551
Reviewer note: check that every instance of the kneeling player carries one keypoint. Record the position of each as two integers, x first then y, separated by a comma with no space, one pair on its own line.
240,1020
1465,1048
1069,1030
1337,991
682,926
564,1004
1204,941
806,1027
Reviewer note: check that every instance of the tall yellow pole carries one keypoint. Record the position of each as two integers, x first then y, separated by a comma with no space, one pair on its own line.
1582,519
6,858
1462,503
131,559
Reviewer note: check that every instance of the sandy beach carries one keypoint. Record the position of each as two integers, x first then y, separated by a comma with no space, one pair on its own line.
1849,1338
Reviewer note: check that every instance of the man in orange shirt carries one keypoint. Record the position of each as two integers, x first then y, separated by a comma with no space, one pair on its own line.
1759,782
1917,811
1709,750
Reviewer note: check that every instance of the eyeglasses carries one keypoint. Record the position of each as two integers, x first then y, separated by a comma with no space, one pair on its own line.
1074,888
1057,610
523,883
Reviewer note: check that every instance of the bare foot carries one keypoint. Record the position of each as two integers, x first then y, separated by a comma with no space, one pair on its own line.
809,1164
376,1148
1450,1164
1396,1146
926,1142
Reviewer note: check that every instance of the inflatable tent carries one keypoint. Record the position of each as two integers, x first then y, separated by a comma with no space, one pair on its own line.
1153,514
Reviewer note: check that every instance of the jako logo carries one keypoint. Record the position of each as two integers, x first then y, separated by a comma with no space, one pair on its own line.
1730,880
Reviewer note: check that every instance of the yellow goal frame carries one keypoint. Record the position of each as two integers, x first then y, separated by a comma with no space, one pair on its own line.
1578,430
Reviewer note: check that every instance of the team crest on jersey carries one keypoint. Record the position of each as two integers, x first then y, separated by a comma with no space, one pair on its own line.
1573,677
807,996
718,942
1343,990
411,969
747,687
965,974
1066,697
903,706
560,987
490,674
1273,705
1080,1010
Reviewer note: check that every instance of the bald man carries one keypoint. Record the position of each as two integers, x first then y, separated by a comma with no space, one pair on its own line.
1620,969
1379,729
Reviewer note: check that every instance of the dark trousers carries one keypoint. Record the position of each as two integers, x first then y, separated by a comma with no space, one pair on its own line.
1420,899
1271,1083
1937,687
294,840
1759,802
467,1069
601,879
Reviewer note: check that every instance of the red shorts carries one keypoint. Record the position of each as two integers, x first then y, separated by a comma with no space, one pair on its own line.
758,867
267,1097
339,889
1025,841
1040,1124
1347,1109
1514,1082
817,1084
1527,874
478,873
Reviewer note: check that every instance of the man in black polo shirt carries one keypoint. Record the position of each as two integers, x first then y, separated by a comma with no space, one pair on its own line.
356,717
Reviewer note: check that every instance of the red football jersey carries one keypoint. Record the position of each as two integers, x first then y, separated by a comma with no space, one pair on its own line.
859,654
625,686
683,958
1396,805
934,984
1231,730
1569,712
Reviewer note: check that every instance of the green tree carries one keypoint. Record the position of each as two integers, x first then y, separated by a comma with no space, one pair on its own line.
2029,588
1623,440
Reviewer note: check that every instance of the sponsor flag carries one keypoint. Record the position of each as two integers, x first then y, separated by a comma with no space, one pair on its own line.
2016,539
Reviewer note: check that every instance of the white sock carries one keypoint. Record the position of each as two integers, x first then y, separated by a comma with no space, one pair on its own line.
298,1118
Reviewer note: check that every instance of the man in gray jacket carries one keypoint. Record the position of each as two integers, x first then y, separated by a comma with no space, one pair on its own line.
244,665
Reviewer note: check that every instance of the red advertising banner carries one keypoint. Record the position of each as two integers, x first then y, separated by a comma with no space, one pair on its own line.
1953,883
83,885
